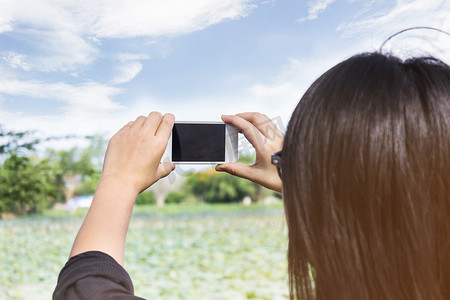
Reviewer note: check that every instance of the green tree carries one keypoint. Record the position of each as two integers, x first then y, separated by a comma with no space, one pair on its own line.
30,184
176,197
213,187
68,168
90,165
80,169
260,192
26,187
88,184
18,142
146,197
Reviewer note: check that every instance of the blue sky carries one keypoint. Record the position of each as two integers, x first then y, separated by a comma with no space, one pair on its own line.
85,67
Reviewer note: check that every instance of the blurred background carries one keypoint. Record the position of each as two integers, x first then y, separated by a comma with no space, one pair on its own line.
73,72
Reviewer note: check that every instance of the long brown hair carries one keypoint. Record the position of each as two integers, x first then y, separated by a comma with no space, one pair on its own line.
366,182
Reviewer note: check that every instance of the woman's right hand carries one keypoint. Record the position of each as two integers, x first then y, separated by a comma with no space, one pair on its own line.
134,152
266,138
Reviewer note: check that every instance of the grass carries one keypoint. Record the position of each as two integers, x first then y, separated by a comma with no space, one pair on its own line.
173,252
167,210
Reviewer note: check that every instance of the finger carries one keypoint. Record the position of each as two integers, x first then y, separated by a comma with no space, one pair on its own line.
164,169
251,133
263,123
237,169
253,174
165,127
152,123
125,127
139,122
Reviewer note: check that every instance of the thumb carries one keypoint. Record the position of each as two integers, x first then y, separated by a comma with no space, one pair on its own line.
236,169
164,169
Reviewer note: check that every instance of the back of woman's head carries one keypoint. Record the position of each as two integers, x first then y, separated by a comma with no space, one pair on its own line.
366,182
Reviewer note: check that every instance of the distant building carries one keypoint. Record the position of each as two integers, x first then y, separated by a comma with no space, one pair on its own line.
83,201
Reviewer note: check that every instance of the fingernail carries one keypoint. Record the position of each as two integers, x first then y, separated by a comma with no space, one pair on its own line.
219,168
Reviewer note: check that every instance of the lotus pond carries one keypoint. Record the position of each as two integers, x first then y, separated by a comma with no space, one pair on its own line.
220,252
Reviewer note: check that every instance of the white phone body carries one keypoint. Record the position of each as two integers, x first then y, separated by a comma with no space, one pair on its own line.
227,142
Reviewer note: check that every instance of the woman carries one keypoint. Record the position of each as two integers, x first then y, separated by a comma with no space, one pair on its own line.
365,168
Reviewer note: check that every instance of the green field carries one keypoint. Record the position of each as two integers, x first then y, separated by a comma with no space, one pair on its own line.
174,252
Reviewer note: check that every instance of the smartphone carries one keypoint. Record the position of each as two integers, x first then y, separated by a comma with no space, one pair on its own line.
202,143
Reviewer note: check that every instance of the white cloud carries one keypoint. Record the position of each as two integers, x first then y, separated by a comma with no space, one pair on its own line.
406,14
127,72
129,66
5,18
83,98
66,34
125,57
61,50
16,60
316,7
87,109
52,34
164,17
283,90
59,125
280,96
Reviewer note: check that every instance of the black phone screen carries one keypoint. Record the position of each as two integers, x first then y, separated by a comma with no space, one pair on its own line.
198,142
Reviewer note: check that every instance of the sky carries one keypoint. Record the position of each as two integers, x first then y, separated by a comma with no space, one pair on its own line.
84,67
